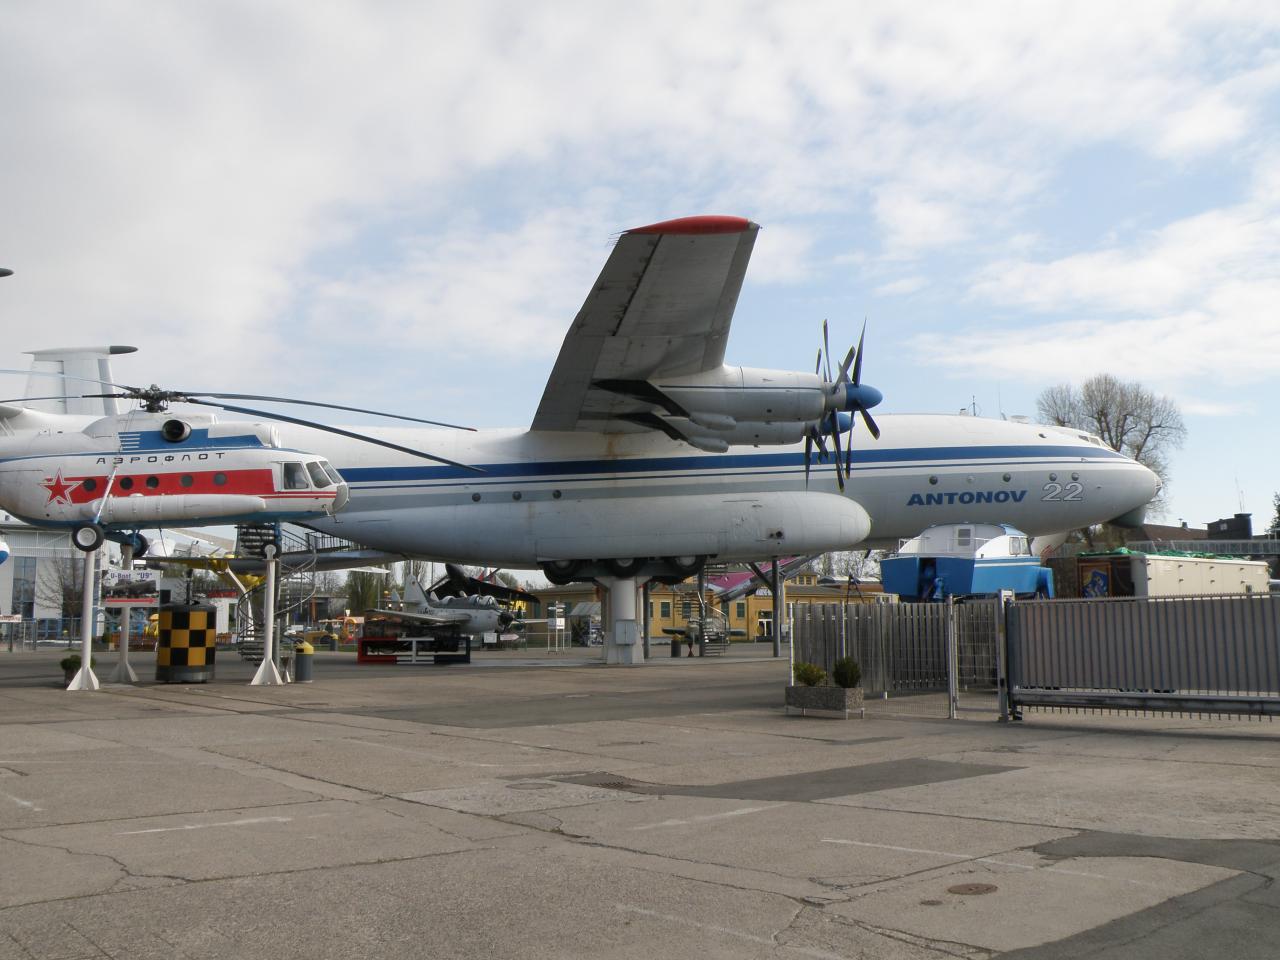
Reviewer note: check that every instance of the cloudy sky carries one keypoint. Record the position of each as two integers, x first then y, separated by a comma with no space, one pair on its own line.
403,204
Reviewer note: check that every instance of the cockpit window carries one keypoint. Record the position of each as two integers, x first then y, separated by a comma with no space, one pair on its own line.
334,475
295,478
318,477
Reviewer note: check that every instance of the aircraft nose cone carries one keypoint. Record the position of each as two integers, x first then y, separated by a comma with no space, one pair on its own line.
1144,486
861,396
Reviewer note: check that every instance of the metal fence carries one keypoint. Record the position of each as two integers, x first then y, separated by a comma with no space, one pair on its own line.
30,634
1169,654
902,647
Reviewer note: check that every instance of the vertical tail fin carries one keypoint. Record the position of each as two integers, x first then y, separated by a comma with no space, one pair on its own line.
89,363
414,595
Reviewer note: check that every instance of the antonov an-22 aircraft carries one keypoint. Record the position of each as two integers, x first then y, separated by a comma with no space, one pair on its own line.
646,456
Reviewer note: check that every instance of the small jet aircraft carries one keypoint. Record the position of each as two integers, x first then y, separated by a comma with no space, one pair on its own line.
448,610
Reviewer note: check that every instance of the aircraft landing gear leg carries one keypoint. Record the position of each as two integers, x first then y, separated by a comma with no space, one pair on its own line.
622,638
123,672
85,679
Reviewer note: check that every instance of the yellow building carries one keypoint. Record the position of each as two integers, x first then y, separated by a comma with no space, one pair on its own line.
675,606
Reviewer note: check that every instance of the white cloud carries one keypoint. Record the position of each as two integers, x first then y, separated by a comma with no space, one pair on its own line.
440,296
173,173
903,287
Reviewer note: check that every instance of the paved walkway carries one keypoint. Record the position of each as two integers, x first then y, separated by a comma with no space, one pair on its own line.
667,810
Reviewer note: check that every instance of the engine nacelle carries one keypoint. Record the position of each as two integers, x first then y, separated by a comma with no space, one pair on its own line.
746,394
722,403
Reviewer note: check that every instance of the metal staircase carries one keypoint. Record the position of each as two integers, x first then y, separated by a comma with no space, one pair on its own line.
296,587
711,630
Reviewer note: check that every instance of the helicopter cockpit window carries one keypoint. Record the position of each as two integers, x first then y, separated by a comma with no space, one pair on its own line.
295,478
318,477
334,475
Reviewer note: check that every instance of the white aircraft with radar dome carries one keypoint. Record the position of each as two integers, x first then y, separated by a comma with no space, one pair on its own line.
646,457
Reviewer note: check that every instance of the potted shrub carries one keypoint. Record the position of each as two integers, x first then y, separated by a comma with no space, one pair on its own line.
70,665
811,692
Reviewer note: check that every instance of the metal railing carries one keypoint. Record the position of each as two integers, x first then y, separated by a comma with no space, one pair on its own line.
1169,654
902,647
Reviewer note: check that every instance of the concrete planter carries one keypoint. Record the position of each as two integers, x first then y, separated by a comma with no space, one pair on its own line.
844,700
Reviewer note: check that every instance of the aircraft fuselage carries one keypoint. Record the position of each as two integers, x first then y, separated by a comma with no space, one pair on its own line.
547,495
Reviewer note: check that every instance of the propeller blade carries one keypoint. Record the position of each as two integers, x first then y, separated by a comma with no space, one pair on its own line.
817,363
848,455
835,441
857,366
816,433
826,349
337,430
870,422
329,406
808,450
844,367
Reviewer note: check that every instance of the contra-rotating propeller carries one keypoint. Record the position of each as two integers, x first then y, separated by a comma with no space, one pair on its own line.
155,399
846,397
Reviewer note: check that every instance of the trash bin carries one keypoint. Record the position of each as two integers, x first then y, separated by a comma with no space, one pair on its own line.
675,646
303,654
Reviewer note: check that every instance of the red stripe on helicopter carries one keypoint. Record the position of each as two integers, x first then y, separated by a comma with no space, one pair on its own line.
258,483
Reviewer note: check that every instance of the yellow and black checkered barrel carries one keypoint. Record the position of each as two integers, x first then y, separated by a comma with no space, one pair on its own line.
184,653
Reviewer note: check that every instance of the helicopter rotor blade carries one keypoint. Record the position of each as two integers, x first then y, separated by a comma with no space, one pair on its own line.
329,406
63,376
336,430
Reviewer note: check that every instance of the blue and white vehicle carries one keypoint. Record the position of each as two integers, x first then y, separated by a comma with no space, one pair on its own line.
965,559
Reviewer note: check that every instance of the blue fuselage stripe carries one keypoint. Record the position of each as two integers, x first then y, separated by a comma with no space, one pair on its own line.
721,464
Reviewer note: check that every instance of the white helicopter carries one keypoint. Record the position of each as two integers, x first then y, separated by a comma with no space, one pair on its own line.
122,472
648,455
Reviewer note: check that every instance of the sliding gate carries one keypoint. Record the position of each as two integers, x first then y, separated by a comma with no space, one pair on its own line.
1217,655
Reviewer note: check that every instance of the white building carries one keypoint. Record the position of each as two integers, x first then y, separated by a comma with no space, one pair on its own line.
30,579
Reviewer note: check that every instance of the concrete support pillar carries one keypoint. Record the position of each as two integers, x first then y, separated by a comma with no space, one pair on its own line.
268,673
123,672
84,678
644,618
702,612
622,638
776,587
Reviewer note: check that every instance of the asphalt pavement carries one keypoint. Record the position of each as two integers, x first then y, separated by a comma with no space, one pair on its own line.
545,805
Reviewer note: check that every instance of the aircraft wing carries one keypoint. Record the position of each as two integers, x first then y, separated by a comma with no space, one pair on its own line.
456,583
660,307
336,560
414,617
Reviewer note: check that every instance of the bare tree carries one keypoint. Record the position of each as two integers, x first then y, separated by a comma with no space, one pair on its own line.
60,585
1126,416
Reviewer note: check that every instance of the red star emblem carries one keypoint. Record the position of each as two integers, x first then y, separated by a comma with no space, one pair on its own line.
59,489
